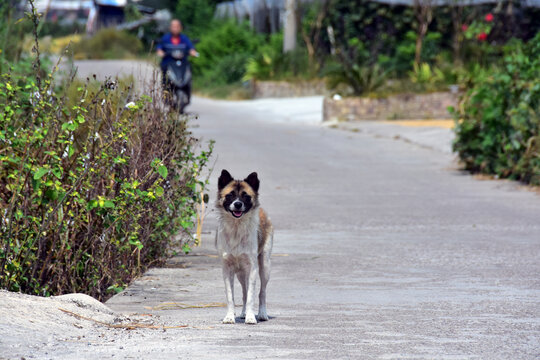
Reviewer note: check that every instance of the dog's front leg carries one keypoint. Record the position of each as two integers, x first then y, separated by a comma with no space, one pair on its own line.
252,280
228,278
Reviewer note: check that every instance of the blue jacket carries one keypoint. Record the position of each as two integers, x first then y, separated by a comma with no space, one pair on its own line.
168,47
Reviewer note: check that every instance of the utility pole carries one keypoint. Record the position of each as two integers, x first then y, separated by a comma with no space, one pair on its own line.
290,28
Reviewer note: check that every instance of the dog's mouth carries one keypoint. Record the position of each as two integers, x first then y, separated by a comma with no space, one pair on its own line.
237,214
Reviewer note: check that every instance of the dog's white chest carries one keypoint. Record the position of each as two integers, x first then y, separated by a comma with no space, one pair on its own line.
236,244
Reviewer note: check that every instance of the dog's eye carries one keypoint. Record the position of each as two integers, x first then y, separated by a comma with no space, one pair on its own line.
229,196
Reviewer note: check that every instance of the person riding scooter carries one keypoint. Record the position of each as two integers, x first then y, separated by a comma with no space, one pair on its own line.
174,49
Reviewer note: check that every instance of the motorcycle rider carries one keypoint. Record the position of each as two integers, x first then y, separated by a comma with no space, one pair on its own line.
171,44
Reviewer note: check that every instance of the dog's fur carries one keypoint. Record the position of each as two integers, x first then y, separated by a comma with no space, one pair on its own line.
244,242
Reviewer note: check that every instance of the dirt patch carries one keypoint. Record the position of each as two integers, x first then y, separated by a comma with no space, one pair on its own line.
38,323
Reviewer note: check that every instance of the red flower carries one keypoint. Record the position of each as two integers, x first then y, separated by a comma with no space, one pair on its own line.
482,36
464,27
489,17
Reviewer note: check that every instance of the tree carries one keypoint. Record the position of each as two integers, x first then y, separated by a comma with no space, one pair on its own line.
195,15
423,11
311,30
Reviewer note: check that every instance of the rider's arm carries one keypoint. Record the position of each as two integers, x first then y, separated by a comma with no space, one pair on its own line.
159,47
191,48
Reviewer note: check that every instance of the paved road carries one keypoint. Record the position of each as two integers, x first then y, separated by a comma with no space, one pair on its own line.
383,250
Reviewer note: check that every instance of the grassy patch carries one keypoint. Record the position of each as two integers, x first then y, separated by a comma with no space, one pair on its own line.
235,91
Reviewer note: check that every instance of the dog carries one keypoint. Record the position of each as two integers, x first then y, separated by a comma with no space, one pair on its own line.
244,242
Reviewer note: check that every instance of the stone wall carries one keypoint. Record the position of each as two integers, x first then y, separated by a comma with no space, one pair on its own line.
402,106
279,89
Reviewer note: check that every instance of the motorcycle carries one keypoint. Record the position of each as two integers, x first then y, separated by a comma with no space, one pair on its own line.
178,80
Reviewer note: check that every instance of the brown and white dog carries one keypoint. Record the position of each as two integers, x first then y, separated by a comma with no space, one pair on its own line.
244,243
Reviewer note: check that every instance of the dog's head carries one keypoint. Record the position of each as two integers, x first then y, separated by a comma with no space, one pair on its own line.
237,197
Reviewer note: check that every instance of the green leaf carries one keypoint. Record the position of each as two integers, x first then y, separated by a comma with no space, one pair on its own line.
162,170
108,204
115,288
92,204
40,173
186,249
58,173
51,194
159,191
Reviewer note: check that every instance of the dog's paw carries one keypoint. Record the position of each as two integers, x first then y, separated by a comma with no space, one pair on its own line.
262,316
229,319
250,319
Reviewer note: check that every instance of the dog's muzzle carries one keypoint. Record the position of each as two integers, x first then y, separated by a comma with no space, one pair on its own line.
237,208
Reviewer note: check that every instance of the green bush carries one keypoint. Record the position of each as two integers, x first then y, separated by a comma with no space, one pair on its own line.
354,73
12,31
270,63
498,119
108,44
225,49
95,181
230,69
426,77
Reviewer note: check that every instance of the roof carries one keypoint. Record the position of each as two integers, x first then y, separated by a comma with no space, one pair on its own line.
526,3
41,5
242,7
117,3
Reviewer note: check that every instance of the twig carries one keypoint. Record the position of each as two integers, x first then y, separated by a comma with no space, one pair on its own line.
130,326
175,305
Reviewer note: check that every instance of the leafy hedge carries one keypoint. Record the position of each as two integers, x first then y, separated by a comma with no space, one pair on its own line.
225,50
95,182
498,119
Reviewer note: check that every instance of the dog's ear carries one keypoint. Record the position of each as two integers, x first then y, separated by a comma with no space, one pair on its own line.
253,181
224,179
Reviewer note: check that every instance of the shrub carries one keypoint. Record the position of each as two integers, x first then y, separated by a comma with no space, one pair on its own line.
270,63
11,33
92,187
355,71
356,79
230,69
108,44
426,77
229,42
498,127
92,192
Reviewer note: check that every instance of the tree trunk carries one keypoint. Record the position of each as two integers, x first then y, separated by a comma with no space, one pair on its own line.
290,31
424,16
419,43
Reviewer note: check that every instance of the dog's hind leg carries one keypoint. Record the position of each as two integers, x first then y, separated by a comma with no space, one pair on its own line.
228,278
264,273
252,281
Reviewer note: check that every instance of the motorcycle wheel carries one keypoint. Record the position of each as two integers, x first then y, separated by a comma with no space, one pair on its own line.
181,100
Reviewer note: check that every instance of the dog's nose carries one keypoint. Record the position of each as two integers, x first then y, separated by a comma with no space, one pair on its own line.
238,205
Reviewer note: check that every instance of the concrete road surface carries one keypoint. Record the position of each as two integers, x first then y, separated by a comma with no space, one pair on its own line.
383,250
